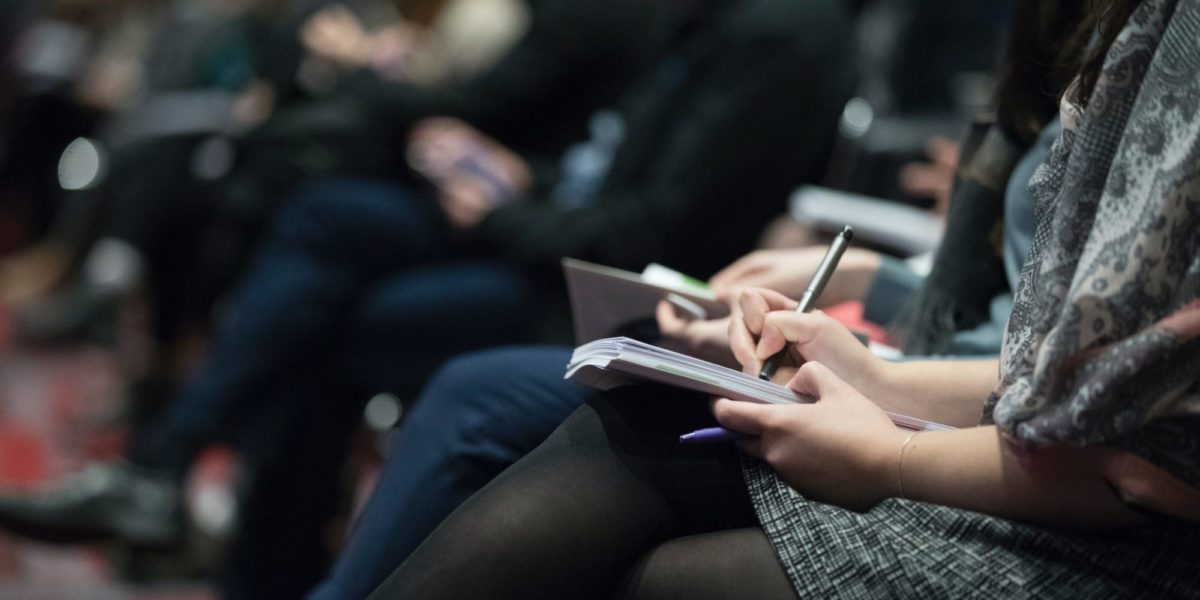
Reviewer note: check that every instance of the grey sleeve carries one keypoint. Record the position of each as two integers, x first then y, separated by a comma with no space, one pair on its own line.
894,285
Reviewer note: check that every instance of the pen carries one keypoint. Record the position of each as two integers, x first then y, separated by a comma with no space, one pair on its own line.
815,287
710,435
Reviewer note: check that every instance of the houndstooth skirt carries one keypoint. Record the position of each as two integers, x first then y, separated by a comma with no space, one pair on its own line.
907,549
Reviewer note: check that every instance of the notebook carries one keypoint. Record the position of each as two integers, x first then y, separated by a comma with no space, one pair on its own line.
604,299
613,362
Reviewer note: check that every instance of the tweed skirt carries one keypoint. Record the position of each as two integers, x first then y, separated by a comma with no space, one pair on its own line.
907,549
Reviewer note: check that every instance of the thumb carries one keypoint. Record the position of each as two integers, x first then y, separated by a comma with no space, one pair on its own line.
744,417
816,380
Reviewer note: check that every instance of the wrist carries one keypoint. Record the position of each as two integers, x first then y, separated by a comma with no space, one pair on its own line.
887,472
878,379
895,449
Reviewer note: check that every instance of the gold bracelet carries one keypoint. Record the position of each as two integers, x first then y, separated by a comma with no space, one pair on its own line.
900,463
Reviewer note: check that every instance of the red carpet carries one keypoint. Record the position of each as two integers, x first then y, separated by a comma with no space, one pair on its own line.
58,409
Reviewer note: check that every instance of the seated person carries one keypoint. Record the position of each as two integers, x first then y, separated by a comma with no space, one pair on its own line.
728,124
1073,473
122,238
465,429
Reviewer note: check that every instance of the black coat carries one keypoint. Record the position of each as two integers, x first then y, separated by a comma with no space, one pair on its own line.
744,110
577,56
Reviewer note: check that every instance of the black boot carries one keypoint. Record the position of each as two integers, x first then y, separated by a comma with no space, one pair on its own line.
106,501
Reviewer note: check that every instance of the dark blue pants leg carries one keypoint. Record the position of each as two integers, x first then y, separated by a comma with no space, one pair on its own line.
412,322
398,333
478,415
332,241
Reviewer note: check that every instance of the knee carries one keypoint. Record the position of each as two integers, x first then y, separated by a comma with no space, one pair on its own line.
464,393
461,382
490,399
310,215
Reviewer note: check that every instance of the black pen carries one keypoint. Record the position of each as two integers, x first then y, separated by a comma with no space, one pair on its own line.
815,287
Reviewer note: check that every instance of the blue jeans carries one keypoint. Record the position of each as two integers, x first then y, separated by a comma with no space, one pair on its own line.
478,415
359,288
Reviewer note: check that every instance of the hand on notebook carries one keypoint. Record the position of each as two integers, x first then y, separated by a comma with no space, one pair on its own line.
841,449
789,271
706,339
764,321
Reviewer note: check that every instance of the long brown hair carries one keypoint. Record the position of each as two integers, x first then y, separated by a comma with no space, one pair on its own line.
1053,42
1102,22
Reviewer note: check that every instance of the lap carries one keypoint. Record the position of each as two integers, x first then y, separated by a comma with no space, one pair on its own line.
906,548
734,563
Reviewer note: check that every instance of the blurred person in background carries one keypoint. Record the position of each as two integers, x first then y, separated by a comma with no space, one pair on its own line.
553,67
188,189
719,131
180,211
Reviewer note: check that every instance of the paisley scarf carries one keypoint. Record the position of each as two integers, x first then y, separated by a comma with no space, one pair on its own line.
1103,346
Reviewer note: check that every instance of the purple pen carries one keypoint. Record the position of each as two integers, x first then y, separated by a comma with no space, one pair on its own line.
710,435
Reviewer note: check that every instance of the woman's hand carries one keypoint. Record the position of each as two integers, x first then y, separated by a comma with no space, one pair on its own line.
841,450
706,339
764,322
789,272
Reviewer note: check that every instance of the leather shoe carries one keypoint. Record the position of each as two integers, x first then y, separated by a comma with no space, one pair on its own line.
105,501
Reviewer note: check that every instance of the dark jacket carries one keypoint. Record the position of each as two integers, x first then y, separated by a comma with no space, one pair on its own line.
743,111
578,55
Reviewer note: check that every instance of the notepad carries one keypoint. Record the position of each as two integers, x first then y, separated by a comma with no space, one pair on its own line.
614,362
604,299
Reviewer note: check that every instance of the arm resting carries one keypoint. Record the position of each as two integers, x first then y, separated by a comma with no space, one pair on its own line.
978,469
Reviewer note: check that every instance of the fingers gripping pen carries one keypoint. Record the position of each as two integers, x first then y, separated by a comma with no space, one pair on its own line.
815,287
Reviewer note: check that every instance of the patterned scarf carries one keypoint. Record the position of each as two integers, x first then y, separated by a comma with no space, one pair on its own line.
1103,346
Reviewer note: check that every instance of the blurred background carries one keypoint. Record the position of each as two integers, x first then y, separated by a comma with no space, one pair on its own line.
145,144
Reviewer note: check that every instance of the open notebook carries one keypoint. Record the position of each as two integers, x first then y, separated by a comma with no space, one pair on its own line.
614,362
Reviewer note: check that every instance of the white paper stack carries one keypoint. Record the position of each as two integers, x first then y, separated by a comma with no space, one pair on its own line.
613,362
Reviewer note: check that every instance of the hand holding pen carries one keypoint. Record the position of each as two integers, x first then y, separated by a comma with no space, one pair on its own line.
815,287
753,333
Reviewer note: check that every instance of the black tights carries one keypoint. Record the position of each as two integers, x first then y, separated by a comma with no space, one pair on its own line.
610,506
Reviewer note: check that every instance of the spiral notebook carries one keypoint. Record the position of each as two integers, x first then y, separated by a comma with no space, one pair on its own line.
614,362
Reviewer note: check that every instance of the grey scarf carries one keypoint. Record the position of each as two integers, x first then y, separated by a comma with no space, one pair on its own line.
1103,346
